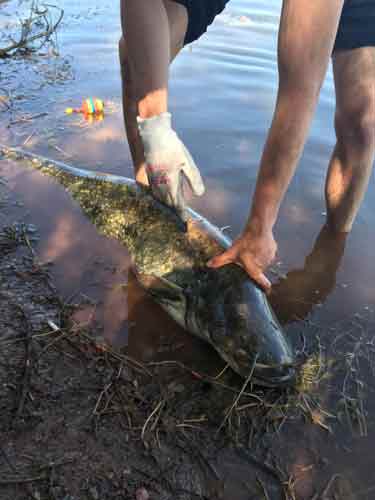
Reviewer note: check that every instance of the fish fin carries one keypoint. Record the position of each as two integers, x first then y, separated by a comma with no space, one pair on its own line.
160,287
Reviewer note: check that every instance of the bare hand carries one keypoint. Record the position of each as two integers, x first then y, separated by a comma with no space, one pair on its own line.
252,252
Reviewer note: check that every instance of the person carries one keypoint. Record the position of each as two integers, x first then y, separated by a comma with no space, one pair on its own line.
310,33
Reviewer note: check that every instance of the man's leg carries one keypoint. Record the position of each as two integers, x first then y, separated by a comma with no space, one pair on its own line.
351,163
153,34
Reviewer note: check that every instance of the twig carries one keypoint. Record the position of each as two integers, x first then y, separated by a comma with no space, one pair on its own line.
57,463
68,155
203,377
26,119
6,458
221,373
136,365
324,494
26,28
19,480
28,138
228,414
156,409
27,241
245,454
264,490
104,391
27,364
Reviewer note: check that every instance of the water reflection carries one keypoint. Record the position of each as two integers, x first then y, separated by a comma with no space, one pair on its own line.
294,297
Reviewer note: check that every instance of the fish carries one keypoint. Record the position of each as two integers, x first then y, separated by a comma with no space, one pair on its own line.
223,307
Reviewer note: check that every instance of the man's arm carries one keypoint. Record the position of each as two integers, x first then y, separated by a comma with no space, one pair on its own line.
306,38
153,32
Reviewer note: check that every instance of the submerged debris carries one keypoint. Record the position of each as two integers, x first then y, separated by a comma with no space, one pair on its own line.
34,31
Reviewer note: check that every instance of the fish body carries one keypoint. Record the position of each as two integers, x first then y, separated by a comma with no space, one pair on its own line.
222,306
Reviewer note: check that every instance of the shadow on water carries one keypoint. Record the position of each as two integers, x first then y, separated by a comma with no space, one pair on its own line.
294,297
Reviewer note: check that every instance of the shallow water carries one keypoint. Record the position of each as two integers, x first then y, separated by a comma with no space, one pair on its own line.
222,94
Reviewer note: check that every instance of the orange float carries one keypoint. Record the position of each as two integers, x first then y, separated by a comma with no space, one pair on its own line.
89,106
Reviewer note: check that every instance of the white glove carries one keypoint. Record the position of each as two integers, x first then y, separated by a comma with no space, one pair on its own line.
168,162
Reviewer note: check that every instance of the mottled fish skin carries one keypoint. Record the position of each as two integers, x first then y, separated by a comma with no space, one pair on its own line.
223,306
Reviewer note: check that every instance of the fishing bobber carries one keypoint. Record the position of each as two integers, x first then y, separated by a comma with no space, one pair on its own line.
89,106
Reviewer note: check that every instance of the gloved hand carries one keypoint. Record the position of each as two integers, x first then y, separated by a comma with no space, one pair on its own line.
168,162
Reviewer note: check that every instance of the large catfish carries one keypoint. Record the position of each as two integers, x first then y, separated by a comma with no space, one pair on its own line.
221,306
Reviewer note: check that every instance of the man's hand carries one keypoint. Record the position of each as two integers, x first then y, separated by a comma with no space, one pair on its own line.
254,253
302,66
168,162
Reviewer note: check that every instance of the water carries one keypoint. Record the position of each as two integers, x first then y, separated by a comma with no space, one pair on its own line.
222,94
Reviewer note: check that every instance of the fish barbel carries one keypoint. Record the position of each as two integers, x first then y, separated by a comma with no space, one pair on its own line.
222,306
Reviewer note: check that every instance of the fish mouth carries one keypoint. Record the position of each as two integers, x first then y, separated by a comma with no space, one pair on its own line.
274,376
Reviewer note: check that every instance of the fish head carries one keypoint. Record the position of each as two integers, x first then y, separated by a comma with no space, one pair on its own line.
240,324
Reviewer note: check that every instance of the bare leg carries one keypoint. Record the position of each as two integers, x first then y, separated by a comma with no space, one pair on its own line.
153,34
351,163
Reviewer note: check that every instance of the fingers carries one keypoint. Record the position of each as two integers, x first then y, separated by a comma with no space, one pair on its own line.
255,273
262,281
162,194
179,201
192,174
170,193
222,259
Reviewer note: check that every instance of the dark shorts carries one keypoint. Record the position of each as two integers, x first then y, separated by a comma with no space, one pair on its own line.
201,14
357,25
356,28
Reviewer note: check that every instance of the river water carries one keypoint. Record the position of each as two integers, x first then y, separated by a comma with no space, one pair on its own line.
222,93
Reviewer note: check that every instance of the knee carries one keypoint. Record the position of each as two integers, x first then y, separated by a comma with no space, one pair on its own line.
355,123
